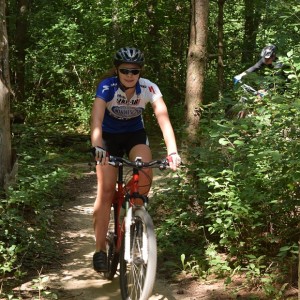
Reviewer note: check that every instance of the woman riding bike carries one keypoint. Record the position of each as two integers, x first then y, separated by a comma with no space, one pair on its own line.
117,128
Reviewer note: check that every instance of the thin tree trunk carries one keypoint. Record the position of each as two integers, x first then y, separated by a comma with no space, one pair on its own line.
252,19
196,62
5,135
114,35
153,31
220,70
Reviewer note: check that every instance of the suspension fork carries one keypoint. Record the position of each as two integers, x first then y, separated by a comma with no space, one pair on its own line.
134,183
118,202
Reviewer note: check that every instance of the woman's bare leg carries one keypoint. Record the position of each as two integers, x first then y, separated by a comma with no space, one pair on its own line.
106,181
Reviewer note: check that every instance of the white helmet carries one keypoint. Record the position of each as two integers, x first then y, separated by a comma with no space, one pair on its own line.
129,55
268,51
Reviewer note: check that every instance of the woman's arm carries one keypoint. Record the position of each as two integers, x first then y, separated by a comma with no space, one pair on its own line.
98,110
161,113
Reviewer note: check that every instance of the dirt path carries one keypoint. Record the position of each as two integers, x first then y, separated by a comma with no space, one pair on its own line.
75,278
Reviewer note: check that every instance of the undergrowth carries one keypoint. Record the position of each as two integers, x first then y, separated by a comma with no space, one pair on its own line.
46,150
234,209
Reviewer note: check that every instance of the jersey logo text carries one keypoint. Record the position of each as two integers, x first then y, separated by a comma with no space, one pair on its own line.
151,89
105,88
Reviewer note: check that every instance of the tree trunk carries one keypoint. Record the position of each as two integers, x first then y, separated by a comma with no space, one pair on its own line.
196,62
114,33
220,70
252,19
153,31
5,135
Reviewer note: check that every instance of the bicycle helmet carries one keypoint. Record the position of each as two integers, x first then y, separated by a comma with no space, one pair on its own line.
129,55
268,51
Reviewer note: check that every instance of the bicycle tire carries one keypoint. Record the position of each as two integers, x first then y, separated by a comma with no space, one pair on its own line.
112,258
137,277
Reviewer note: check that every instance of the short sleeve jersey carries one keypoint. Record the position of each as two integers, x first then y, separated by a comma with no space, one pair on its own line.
123,115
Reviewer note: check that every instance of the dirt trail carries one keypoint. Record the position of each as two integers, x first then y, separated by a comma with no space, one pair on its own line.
76,279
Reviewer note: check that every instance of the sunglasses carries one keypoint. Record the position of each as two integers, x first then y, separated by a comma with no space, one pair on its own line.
128,71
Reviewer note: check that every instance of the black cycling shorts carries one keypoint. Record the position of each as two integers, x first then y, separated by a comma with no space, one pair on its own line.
118,144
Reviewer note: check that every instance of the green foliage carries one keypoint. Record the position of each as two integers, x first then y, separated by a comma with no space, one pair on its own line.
27,213
240,190
69,49
239,193
40,285
193,266
246,173
176,222
218,265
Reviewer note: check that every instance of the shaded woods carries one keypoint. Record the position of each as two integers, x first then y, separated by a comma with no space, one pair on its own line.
236,200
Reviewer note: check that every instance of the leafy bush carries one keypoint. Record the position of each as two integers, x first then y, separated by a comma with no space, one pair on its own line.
27,212
237,201
247,176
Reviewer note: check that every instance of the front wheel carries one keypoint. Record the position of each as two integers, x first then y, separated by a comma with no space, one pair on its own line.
137,276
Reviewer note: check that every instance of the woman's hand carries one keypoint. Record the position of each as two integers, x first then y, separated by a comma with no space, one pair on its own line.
100,155
174,160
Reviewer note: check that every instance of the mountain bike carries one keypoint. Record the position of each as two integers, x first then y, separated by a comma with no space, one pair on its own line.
241,109
131,241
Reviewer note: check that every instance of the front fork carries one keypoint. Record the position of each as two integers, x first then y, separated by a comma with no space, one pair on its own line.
132,202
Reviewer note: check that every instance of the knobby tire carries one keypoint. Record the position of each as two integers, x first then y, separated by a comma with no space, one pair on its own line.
137,278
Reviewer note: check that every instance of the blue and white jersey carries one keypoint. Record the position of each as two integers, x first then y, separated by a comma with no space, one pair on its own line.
121,114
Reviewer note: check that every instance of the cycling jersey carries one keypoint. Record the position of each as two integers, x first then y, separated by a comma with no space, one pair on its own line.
123,115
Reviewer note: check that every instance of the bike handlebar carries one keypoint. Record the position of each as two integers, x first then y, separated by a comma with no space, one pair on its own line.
249,89
138,163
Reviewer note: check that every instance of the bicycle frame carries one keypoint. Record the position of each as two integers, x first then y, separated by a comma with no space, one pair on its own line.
240,109
132,242
128,198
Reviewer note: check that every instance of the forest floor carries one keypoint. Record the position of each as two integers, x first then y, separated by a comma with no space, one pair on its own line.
72,277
